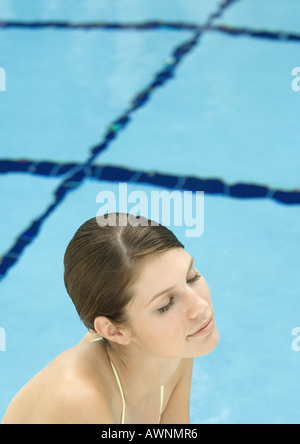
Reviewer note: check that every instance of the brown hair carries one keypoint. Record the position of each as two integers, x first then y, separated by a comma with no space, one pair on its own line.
101,263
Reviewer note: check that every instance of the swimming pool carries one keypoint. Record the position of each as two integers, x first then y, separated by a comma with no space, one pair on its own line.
173,95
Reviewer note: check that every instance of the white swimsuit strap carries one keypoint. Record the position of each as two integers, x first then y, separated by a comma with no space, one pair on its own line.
121,391
161,401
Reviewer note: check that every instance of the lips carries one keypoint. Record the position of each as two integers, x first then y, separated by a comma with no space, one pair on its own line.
205,328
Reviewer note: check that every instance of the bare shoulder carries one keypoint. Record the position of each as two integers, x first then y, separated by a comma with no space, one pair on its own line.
72,389
81,398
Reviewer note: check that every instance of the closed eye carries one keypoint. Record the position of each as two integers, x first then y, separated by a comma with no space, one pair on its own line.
195,278
168,306
172,299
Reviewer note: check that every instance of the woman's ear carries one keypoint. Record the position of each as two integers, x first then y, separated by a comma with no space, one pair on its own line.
109,331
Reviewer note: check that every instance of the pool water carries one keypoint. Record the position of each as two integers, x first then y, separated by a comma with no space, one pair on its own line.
181,95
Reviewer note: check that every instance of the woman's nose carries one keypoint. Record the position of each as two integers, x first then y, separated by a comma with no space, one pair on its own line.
197,304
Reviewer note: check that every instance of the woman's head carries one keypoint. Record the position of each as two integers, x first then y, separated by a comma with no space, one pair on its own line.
102,262
124,272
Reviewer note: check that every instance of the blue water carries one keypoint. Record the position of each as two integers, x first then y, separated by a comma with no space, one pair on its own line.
228,113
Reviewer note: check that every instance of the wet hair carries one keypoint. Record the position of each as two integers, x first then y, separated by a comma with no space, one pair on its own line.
103,260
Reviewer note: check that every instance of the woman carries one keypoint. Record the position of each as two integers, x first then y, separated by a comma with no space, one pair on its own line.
149,313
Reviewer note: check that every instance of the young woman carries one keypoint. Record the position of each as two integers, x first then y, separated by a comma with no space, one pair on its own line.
149,313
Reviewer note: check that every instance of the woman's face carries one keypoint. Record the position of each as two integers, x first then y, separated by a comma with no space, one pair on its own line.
172,314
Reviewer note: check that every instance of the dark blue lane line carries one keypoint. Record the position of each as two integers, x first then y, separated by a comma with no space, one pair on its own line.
242,190
154,25
257,33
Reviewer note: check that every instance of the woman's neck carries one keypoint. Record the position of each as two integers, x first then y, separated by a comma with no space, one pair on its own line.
140,374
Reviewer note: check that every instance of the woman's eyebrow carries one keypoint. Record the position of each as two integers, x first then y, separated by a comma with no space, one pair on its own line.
170,288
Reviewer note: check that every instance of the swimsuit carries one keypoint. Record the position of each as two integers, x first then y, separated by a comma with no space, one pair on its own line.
122,394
